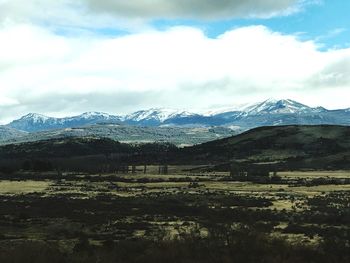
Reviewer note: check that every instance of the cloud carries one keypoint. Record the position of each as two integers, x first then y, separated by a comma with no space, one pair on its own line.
180,67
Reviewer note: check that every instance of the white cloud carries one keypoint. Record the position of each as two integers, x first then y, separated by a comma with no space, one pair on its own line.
180,67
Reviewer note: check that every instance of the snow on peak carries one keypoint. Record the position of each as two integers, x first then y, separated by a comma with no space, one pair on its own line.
35,117
94,114
222,110
158,114
276,106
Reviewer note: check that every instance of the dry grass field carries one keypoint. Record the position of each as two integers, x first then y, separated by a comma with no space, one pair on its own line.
299,207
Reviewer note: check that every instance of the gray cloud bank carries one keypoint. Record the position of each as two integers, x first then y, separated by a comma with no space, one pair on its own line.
206,9
333,75
82,12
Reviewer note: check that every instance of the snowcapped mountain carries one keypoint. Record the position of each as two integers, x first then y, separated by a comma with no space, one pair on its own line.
33,122
266,113
274,112
272,106
90,118
269,106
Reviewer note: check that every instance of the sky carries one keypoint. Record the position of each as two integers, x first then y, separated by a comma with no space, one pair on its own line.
64,57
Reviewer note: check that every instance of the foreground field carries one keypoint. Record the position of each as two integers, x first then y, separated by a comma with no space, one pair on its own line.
77,213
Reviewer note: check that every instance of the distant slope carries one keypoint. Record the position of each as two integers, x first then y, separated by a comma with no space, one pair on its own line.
7,133
130,134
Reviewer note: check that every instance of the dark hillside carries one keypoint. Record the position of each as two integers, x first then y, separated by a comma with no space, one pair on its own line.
317,147
278,143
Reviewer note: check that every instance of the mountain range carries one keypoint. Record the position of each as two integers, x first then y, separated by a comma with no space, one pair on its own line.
267,113
160,124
